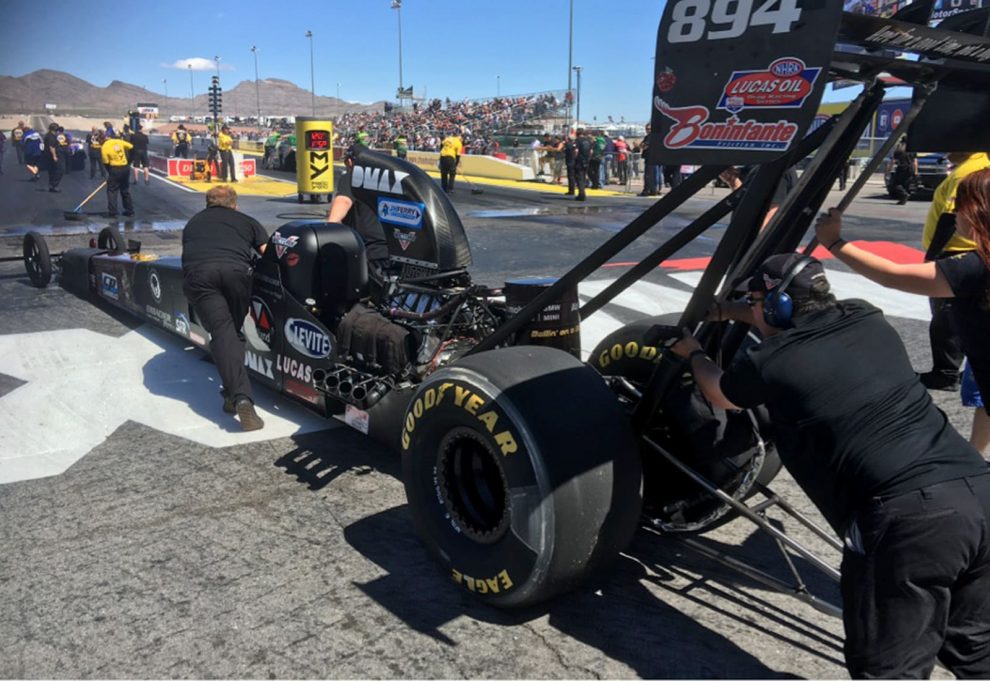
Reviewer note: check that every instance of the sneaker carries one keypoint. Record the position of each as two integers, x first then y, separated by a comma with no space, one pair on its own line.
247,415
228,402
939,381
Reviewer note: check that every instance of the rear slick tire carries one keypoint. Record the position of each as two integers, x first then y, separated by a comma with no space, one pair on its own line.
521,473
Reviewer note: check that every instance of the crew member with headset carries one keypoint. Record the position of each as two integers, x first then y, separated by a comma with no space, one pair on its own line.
225,145
862,437
217,250
362,218
180,139
114,154
450,158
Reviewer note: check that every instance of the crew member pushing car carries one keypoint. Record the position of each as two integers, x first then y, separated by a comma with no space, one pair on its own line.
217,248
361,218
860,434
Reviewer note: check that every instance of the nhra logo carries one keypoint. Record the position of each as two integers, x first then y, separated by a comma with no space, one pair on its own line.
785,84
403,213
262,318
156,286
109,286
282,243
307,338
692,129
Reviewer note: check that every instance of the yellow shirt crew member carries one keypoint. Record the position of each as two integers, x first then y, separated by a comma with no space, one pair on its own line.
944,201
225,142
451,146
114,152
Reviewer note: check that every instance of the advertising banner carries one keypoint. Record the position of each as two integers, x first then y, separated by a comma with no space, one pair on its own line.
738,82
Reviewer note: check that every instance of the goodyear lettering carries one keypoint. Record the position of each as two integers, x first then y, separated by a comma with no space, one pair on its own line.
500,583
468,401
631,350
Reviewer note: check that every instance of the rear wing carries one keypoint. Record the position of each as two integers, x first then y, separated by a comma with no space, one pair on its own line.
738,82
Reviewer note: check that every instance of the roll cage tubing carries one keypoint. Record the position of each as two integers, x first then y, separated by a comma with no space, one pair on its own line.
743,246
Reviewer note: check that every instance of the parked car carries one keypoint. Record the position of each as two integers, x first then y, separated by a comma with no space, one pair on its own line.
932,169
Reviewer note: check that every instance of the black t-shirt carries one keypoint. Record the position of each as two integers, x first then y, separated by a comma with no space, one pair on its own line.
140,141
583,150
904,161
51,142
364,220
851,419
221,235
969,279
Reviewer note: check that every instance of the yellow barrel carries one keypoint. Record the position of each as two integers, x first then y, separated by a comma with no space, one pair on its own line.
314,156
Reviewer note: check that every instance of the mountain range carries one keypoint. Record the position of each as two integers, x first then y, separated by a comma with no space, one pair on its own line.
30,93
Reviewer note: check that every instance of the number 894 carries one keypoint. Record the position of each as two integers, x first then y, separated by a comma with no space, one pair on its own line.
728,18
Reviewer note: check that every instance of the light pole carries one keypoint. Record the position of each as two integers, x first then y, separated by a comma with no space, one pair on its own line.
570,58
577,118
312,76
192,97
397,6
498,86
338,99
165,83
257,92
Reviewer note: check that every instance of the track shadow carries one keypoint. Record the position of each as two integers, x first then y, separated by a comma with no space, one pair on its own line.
320,458
618,616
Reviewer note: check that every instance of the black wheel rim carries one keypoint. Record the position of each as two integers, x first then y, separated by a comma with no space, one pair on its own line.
473,486
32,260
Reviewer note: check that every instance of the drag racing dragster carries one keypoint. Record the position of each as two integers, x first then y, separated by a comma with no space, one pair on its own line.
525,468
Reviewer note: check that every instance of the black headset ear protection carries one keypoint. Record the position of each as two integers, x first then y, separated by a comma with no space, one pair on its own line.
778,308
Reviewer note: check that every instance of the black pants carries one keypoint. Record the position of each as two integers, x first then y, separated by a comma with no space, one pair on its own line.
227,166
220,296
19,148
571,178
947,355
182,150
96,163
581,172
672,175
650,179
901,184
594,173
54,171
448,171
119,180
917,586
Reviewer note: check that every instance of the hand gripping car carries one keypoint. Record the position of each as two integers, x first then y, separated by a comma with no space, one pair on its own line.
525,468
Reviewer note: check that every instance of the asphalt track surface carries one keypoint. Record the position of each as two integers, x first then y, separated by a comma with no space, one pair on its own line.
169,544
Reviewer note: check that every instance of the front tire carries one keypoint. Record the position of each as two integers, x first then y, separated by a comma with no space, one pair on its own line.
521,473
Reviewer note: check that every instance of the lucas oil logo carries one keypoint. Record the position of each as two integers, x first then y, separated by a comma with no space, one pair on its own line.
283,243
784,85
307,338
692,129
403,213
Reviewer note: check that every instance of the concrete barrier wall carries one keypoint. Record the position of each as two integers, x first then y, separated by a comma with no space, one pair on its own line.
482,166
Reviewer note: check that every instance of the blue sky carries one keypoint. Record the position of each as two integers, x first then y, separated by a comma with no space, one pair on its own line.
455,48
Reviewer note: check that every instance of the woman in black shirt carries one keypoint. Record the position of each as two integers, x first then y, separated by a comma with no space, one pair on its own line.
964,277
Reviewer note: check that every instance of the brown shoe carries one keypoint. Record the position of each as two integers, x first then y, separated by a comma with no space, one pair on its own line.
228,402
248,416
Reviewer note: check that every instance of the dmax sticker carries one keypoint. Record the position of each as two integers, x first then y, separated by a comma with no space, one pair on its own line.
377,179
283,243
784,85
692,128
109,286
307,338
403,213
